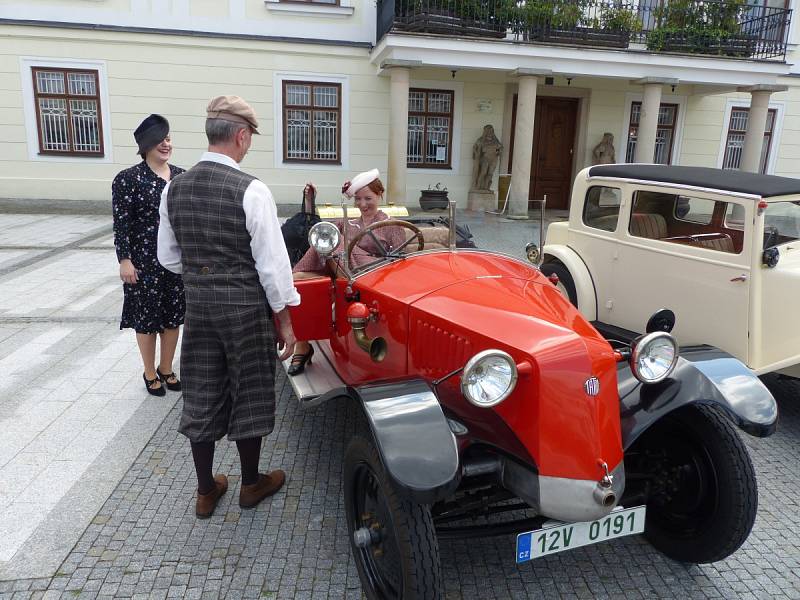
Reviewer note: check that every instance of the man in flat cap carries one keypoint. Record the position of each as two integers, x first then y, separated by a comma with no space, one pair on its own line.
219,228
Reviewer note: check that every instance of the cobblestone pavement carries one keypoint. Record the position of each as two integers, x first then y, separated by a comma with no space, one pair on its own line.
145,542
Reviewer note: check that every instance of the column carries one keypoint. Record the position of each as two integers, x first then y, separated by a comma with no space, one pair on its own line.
523,147
754,136
398,134
648,123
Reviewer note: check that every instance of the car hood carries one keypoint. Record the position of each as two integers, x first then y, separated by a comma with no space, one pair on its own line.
522,312
564,428
418,275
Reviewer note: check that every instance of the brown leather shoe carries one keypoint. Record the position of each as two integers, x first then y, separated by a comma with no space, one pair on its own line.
206,503
267,484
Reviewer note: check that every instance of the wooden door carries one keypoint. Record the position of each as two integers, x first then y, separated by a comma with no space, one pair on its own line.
553,141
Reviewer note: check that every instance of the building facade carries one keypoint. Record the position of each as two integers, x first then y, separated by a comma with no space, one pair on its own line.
406,86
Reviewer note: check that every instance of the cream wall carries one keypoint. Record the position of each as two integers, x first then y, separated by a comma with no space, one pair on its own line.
473,90
703,120
350,20
175,76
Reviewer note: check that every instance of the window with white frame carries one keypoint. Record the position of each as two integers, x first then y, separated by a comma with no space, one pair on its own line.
68,115
430,128
734,143
665,132
312,118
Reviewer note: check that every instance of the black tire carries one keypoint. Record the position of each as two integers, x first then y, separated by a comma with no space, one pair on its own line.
703,494
407,564
564,279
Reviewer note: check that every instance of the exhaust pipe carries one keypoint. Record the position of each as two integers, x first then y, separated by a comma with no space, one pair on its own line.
604,496
358,315
603,492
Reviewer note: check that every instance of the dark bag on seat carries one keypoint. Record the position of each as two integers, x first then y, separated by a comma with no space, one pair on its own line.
295,229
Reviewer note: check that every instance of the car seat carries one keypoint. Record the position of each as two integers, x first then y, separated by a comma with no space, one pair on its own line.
648,225
722,244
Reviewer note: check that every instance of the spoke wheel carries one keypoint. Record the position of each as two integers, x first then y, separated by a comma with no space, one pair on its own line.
392,539
701,486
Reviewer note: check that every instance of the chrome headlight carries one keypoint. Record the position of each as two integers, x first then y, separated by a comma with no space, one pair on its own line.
488,378
533,253
324,237
654,356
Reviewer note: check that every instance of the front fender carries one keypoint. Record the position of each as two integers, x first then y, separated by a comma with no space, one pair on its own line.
704,375
417,447
584,285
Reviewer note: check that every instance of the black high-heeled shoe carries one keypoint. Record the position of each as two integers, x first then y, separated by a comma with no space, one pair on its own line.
175,386
155,391
299,361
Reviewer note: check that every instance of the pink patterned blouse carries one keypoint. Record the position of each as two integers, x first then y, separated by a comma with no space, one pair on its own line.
365,252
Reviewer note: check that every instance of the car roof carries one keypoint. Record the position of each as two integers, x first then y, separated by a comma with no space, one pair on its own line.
728,180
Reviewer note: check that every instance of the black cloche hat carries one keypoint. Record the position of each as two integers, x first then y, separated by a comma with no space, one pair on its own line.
150,133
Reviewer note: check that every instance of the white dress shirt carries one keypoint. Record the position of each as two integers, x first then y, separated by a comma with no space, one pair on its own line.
266,239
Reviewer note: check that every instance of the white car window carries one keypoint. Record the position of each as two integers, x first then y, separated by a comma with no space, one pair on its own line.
734,216
781,223
683,220
601,208
695,210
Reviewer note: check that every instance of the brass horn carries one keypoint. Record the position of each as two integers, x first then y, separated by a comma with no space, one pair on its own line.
358,315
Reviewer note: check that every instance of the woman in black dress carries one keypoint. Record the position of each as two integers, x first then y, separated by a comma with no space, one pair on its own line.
154,301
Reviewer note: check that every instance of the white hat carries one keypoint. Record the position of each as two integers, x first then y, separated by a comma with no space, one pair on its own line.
361,180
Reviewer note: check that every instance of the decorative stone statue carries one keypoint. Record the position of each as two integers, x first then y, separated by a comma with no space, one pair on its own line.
485,154
604,152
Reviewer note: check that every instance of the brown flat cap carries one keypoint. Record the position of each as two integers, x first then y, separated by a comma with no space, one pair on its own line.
234,109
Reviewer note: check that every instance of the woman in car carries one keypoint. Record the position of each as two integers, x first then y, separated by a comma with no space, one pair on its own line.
367,190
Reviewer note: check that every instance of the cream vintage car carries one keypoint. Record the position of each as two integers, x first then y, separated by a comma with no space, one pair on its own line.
721,249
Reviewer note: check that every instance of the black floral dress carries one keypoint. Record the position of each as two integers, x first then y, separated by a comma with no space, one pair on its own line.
157,301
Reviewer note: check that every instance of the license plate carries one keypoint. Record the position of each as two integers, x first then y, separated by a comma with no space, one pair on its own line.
566,536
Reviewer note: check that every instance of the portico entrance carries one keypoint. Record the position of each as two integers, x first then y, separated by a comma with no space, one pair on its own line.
553,149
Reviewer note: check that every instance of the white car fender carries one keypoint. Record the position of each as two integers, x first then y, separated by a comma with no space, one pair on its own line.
584,286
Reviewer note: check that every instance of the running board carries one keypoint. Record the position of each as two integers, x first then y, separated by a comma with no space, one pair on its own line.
612,332
317,378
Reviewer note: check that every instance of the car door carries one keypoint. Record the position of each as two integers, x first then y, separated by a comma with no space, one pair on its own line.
776,340
594,232
677,252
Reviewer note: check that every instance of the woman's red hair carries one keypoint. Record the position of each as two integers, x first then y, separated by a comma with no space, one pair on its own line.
376,185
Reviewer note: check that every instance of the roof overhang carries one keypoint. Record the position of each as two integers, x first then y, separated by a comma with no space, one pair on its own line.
722,74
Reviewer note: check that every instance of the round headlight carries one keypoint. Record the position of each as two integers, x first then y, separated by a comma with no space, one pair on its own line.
653,357
488,378
324,237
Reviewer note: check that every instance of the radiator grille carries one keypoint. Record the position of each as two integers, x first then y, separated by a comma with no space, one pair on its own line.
437,351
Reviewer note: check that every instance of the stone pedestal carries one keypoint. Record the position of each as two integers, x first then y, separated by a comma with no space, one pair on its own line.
481,200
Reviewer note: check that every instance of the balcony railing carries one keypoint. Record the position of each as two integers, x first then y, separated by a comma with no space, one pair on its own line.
709,27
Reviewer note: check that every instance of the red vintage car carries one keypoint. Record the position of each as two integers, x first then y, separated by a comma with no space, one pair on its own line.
484,391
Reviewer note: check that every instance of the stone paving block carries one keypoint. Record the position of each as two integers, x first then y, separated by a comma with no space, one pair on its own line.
144,538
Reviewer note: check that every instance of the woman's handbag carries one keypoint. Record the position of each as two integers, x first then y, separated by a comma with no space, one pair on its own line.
295,229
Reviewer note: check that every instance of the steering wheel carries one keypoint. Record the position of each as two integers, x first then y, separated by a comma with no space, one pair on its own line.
770,236
384,251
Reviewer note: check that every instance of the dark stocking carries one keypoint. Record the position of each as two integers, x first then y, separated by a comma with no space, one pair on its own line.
203,455
249,453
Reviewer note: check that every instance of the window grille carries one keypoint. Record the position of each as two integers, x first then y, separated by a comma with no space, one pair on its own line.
312,117
430,128
734,144
68,114
665,133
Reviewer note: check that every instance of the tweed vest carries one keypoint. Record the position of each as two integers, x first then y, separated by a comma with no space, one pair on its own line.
206,213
